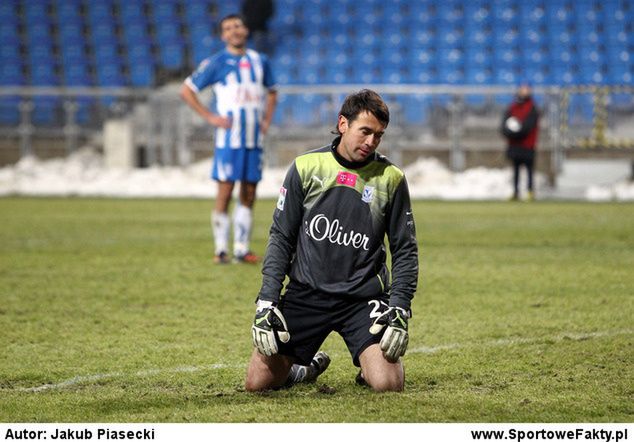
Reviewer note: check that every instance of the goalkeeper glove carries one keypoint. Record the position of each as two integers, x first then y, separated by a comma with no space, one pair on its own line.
395,339
268,321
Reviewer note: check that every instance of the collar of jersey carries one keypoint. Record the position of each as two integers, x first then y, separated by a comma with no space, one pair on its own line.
345,163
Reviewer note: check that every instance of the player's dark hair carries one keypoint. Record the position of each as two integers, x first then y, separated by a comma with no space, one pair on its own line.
365,100
230,17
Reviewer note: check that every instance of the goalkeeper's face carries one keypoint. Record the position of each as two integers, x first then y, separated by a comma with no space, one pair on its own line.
359,137
234,33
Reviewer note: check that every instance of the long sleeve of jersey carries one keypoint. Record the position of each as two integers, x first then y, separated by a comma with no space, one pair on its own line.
401,233
287,220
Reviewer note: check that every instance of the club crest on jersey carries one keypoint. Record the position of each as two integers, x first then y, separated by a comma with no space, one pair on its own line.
347,179
282,198
368,194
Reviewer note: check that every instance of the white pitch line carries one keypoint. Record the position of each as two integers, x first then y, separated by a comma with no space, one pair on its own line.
140,374
426,350
519,341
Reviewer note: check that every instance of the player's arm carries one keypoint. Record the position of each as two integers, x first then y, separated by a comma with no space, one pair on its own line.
402,237
401,233
269,110
190,97
287,220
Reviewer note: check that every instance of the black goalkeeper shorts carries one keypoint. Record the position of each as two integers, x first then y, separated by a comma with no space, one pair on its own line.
311,316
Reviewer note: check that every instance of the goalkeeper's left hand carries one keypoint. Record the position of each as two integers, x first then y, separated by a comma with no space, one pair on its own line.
268,322
395,339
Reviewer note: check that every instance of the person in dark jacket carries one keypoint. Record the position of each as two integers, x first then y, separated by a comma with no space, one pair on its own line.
336,207
257,14
520,126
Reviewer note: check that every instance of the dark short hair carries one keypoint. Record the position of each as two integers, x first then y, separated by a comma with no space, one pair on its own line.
230,17
365,100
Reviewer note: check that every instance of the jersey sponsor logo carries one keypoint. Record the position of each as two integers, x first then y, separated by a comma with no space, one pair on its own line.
245,64
282,198
320,228
368,194
347,178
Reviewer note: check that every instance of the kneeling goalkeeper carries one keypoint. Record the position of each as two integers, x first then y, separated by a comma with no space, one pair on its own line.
335,208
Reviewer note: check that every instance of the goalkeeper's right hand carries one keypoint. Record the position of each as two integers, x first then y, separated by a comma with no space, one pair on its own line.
268,321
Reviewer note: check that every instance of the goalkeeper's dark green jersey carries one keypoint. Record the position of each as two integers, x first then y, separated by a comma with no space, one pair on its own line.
330,224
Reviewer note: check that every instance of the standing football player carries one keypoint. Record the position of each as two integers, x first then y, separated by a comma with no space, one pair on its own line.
335,208
245,99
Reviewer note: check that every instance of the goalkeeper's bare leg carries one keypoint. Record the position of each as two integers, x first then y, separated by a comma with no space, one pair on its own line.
265,372
379,373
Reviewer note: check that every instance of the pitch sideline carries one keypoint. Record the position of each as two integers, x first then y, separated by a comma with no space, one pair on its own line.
424,350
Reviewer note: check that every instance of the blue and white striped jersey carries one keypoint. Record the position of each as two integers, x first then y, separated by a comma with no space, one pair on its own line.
240,84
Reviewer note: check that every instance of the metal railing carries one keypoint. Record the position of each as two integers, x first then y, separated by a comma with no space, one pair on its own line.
451,118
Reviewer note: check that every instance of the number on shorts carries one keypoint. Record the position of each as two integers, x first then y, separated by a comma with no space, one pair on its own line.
376,309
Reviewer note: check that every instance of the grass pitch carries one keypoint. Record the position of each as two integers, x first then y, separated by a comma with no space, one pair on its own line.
111,311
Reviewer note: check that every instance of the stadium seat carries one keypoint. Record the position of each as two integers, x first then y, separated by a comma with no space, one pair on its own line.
9,110
142,74
44,75
77,74
11,74
171,56
414,108
46,111
110,75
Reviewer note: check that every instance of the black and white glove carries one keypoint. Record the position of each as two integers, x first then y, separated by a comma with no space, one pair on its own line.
268,322
395,339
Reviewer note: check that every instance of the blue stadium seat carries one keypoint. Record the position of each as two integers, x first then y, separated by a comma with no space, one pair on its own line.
563,75
131,14
41,53
106,53
77,74
68,12
136,32
36,13
532,37
103,33
71,54
559,15
70,34
44,75
478,14
11,74
480,75
168,33
424,37
9,32
308,109
505,75
142,74
197,13
46,111
164,12
110,75
536,75
620,74
8,12
10,54
592,74
139,53
9,110
171,56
